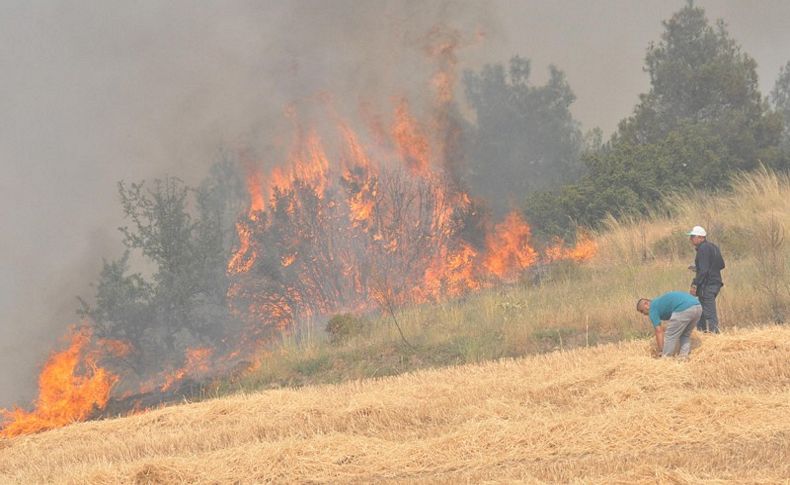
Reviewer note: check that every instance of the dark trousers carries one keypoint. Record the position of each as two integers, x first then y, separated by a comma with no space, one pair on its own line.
710,319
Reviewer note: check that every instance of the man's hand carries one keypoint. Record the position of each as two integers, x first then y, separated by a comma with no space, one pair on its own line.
693,290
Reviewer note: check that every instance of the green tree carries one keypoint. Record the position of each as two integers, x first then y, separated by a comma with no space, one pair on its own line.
700,76
627,178
123,309
780,99
525,137
702,119
184,237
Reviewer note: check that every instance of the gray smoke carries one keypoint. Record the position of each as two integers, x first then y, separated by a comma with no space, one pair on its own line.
97,92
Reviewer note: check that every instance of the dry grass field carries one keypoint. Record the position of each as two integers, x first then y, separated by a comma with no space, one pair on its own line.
604,414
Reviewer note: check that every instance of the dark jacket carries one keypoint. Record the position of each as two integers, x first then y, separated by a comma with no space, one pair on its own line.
709,264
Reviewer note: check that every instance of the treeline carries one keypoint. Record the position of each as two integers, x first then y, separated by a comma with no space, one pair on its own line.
703,119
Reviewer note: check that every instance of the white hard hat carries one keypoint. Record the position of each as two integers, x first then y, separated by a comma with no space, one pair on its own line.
697,231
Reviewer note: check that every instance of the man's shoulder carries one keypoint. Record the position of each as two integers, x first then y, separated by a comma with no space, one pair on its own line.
709,244
707,247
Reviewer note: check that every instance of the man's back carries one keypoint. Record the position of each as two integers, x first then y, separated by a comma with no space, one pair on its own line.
662,307
709,264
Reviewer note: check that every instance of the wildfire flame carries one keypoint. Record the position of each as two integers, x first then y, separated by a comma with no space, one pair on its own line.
339,232
70,388
379,218
240,261
197,363
509,249
345,232
584,250
412,143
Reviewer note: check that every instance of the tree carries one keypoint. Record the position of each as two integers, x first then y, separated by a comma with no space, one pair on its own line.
525,137
780,99
700,76
123,309
628,178
702,119
183,234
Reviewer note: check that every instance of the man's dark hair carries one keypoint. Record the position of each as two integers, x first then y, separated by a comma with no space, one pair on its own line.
639,302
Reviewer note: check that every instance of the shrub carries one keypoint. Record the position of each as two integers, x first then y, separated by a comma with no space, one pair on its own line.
344,326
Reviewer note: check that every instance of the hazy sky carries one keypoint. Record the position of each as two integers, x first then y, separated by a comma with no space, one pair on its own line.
92,92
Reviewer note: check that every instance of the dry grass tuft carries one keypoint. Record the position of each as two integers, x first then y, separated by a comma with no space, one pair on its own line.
607,414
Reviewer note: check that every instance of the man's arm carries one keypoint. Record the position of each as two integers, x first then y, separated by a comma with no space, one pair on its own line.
660,339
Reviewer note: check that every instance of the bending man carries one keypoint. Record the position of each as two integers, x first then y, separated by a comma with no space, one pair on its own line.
682,310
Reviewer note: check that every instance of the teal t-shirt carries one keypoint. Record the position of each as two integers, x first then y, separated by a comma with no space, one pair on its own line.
665,305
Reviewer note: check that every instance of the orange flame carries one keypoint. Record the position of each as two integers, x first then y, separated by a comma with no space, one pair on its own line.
243,259
374,227
255,187
197,363
584,250
309,164
359,178
411,141
509,249
452,274
71,387
441,45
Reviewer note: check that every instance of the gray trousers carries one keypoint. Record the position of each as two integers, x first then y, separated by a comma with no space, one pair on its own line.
678,331
710,318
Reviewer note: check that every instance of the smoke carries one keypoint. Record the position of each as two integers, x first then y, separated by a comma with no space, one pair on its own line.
135,90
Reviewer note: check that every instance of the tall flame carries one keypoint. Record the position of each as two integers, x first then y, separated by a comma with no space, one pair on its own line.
411,141
342,234
71,387
509,249
242,259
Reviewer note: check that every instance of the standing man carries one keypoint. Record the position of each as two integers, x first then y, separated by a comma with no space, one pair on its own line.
707,281
683,312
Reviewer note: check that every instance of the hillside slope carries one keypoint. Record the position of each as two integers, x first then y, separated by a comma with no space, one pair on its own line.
606,414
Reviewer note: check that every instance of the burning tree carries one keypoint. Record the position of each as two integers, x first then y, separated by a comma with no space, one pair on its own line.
345,232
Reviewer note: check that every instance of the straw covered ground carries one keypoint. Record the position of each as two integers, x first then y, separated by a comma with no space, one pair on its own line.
610,414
